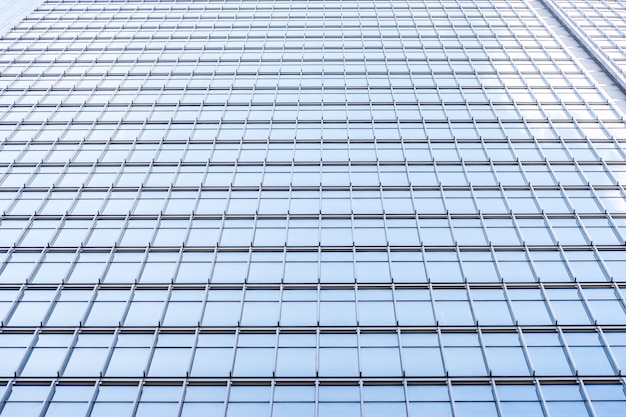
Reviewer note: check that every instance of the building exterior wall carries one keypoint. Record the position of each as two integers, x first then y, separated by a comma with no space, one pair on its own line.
307,208
600,26
13,12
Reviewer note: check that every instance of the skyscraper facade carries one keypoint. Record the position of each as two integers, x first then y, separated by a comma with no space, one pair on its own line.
315,208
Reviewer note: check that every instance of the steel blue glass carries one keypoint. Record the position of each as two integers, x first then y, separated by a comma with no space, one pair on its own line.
311,208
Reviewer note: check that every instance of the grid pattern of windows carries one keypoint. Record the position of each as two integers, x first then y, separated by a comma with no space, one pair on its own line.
429,193
603,24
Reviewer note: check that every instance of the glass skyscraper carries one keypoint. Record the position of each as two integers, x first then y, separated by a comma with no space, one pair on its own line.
273,208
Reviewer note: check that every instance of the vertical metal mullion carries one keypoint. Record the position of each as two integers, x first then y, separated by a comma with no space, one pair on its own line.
523,246
207,287
92,401
609,352
548,305
166,303
14,304
178,261
586,398
46,403
492,252
52,305
359,355
600,261
361,391
509,303
542,400
25,230
470,301
129,302
140,386
281,290
18,193
155,341
144,261
194,349
525,350
568,355
457,252
451,395
407,402
27,352
496,398
483,351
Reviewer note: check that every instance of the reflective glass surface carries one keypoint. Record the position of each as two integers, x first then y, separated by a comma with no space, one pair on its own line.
310,208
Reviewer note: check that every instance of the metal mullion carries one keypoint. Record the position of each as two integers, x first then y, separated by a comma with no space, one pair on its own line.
509,303
620,296
129,300
470,300
16,301
194,349
548,226
166,302
568,355
542,401
450,392
522,340
609,217
234,359
181,401
70,350
17,194
605,268
586,399
35,170
606,168
27,352
155,340
584,232
178,261
496,398
52,305
546,300
60,227
608,351
318,291
90,174
25,230
276,345
111,350
244,291
126,221
567,263
157,224
46,403
206,288
494,259
90,304
360,385
146,254
282,290
473,198
519,164
457,252
358,347
531,263
483,351
611,7
112,252
91,402
140,386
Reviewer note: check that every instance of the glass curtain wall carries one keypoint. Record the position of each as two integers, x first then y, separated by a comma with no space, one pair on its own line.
314,208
